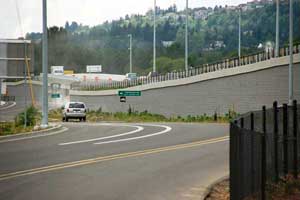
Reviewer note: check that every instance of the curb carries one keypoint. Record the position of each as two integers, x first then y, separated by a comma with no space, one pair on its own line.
209,188
55,128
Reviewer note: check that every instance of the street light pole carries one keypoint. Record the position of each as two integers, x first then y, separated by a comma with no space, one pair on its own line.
25,84
291,86
240,36
277,29
186,35
130,48
154,37
45,67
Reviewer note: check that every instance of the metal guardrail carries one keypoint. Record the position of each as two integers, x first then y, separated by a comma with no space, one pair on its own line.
264,147
206,68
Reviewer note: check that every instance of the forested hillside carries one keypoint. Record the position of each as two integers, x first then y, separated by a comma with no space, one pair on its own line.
213,35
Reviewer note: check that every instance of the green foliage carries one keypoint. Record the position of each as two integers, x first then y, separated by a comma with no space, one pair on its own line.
31,115
6,128
76,45
135,116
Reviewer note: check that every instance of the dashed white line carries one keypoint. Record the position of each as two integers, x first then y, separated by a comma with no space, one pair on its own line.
138,129
167,129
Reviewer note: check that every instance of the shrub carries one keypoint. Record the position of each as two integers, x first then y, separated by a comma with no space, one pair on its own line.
32,115
7,128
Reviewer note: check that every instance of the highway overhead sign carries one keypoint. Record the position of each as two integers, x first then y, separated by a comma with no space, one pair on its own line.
130,93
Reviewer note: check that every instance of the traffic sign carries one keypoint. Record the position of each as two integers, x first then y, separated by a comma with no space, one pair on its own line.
55,96
123,99
130,93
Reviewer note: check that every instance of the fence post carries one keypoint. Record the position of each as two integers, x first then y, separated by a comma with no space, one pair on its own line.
252,149
295,127
285,139
263,156
233,160
275,123
241,160
242,122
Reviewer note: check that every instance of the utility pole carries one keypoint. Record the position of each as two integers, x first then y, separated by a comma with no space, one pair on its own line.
130,48
25,84
45,67
291,86
154,37
186,35
277,29
240,32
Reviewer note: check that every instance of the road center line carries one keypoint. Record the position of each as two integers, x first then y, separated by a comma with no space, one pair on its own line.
138,129
110,158
167,129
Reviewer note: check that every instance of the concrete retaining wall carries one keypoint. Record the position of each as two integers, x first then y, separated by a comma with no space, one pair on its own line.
243,89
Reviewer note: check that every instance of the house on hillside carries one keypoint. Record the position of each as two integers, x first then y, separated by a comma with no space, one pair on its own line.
167,44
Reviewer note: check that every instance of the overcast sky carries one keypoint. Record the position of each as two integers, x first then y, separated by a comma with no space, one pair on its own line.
87,12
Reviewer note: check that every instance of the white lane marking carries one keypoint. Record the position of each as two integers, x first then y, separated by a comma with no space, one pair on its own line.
35,136
138,129
167,129
7,107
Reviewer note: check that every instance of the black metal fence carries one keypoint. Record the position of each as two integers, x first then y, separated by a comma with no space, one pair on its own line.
264,147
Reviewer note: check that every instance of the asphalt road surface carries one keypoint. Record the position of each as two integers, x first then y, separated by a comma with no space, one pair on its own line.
9,112
114,161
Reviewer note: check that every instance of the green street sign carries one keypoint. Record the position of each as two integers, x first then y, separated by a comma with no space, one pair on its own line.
130,93
55,96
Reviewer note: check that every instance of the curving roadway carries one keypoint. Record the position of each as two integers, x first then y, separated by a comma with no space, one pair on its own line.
114,161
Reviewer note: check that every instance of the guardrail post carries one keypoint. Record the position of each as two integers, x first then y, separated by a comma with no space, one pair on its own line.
263,156
295,127
275,123
285,139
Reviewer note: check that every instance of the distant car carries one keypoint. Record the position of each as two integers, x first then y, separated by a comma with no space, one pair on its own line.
74,110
